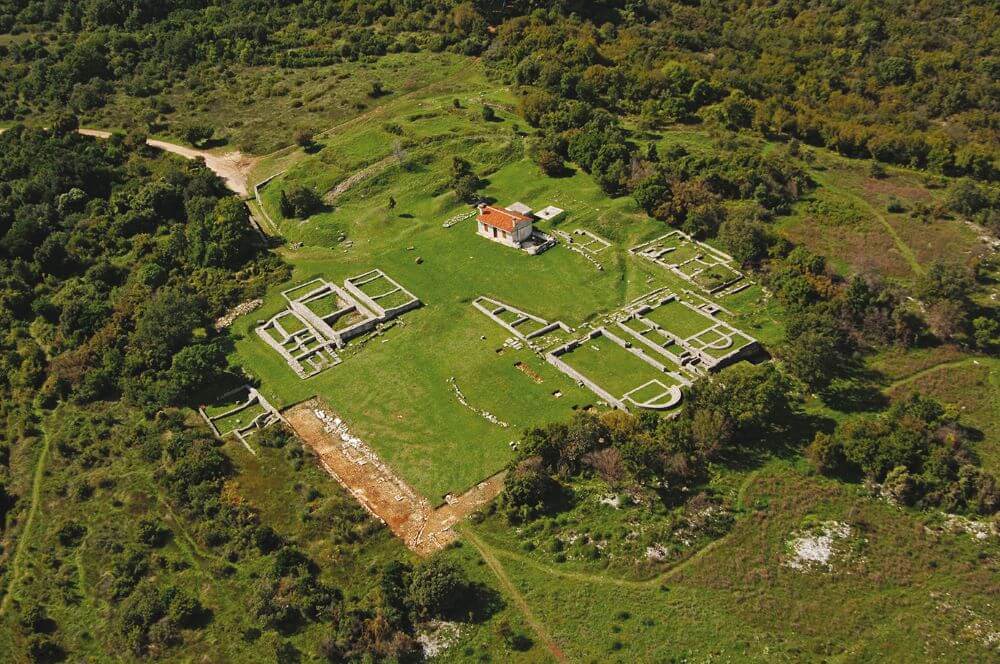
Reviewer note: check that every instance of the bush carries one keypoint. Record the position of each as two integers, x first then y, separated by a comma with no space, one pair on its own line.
438,588
299,201
197,134
304,138
43,649
826,454
528,492
551,163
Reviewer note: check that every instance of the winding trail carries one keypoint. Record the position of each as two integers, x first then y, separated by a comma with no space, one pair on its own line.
232,167
904,249
926,371
529,617
492,552
36,491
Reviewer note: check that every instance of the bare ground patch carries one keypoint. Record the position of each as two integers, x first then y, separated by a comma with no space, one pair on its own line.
422,527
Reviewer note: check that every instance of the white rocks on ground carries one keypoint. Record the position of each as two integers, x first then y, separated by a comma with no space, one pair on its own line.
437,636
234,313
817,549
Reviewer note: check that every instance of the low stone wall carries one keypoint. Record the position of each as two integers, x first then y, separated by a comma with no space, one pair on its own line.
403,308
680,361
317,323
540,243
559,364
553,358
497,304
285,355
317,327
371,302
360,295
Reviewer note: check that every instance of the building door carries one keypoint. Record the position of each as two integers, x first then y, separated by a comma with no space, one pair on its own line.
494,232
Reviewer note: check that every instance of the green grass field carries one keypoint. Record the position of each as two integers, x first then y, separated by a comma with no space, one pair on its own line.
395,391
887,596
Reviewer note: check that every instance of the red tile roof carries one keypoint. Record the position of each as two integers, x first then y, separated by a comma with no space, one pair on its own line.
505,220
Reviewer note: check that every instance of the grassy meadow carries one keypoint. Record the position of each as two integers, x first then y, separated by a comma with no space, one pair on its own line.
258,109
395,392
902,588
898,590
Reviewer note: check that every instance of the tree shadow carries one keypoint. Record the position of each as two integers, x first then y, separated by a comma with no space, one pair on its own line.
854,396
214,142
564,171
201,619
482,603
858,389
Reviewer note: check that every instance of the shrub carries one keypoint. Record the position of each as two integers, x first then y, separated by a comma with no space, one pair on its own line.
826,454
438,588
196,134
299,201
551,163
303,138
528,492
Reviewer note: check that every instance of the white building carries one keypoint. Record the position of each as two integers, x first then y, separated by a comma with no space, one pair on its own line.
504,226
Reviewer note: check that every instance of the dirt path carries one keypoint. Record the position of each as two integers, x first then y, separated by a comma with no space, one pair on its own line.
515,595
422,527
491,553
926,371
36,491
232,167
904,249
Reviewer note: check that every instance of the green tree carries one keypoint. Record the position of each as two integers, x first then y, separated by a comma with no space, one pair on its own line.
528,492
196,134
814,358
986,333
438,588
746,240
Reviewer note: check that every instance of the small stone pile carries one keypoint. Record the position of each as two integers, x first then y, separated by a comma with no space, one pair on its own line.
337,426
462,216
234,313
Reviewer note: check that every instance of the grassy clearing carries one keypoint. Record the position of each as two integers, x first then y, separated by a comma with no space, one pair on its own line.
220,406
679,319
259,109
239,420
847,220
395,392
888,595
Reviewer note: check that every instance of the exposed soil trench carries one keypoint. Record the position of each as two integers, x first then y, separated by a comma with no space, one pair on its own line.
232,167
422,527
